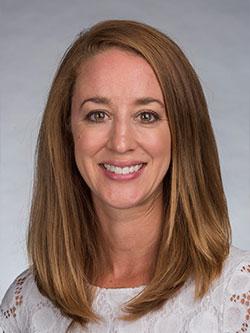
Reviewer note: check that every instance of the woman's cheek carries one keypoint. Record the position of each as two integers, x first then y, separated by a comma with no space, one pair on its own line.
90,142
158,141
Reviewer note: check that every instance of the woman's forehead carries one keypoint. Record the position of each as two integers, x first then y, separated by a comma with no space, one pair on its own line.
117,72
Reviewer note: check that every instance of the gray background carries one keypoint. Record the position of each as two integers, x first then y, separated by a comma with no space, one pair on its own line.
215,36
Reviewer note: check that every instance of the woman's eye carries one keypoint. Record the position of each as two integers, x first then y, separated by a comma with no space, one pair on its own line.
149,117
146,116
95,116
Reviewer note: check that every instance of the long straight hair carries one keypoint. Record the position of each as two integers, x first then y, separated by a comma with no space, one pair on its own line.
64,236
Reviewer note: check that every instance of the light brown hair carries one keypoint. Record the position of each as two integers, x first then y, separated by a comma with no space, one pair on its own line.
64,238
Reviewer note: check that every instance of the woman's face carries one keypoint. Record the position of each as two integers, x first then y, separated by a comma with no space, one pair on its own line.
118,119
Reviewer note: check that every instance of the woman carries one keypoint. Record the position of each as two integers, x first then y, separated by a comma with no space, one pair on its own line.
129,229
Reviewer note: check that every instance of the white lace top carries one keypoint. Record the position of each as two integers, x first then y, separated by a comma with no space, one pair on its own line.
224,309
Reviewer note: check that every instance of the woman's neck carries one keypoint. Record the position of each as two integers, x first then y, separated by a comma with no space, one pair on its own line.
131,242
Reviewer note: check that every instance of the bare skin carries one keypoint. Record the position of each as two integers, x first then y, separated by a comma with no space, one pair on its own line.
132,243
130,211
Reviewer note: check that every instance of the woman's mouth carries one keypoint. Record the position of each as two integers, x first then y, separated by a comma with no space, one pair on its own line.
123,173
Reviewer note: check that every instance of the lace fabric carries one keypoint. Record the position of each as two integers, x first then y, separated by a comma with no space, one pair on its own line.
224,309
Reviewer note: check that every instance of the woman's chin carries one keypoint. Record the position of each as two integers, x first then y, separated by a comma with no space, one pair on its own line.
119,201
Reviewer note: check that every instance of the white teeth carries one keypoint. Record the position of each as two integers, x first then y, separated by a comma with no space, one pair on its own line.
123,171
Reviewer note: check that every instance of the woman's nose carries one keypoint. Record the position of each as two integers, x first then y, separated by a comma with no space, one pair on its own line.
121,136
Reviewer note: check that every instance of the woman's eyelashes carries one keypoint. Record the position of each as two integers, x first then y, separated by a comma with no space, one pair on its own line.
95,116
146,117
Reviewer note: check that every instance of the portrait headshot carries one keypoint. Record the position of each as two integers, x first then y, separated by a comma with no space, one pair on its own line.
134,214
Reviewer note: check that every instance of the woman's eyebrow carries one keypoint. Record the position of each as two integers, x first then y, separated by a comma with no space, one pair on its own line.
107,101
97,100
148,100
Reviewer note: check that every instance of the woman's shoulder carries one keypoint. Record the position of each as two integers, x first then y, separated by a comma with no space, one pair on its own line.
238,261
17,301
25,309
235,275
238,254
236,282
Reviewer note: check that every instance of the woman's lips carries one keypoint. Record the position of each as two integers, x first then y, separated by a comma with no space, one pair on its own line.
122,164
114,176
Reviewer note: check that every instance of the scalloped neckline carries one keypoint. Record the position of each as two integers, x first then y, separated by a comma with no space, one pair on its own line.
125,289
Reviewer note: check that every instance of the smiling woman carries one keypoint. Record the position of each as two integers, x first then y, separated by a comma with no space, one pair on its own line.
129,229
119,137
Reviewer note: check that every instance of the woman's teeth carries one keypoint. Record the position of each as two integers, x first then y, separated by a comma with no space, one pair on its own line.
123,171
